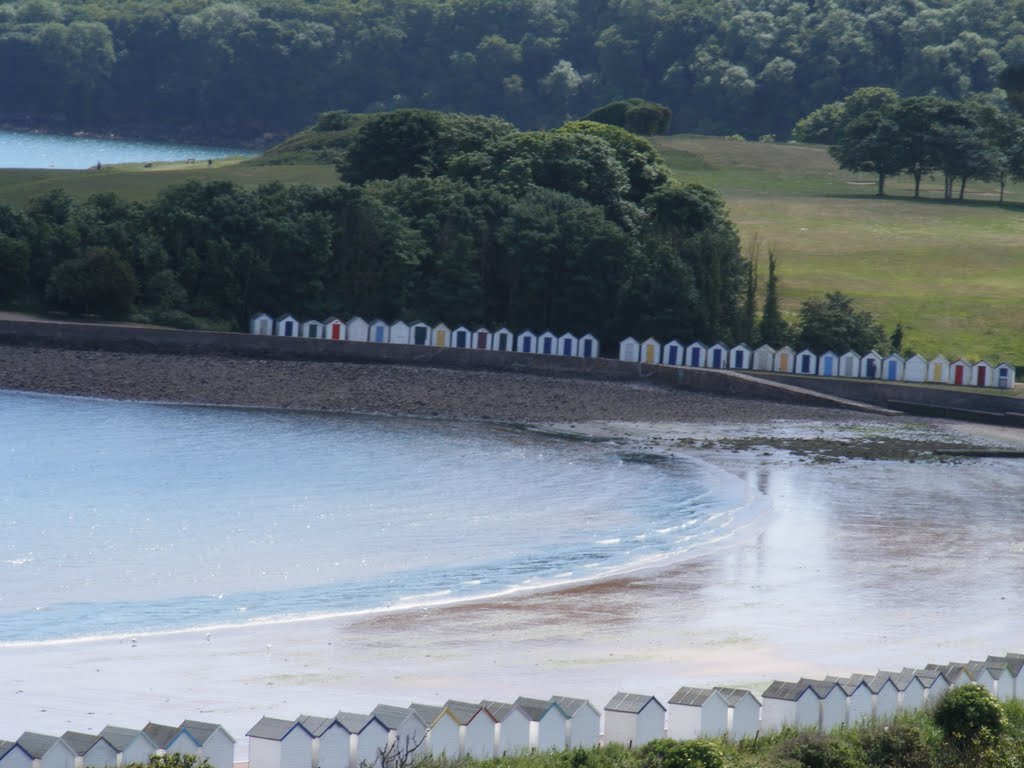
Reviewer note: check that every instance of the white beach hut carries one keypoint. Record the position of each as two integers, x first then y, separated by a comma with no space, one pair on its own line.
479,729
183,743
871,365
696,355
832,702
807,363
132,745
358,329
718,356
650,351
334,328
859,699
584,726
764,358
286,325
316,726
261,324
371,737
982,673
443,732
741,357
420,334
981,374
12,755
955,674
1011,685
589,346
513,727
547,343
481,339
915,369
695,713
629,350
91,751
849,365
527,342
789,704
160,735
334,743
744,712
938,370
312,329
911,690
216,745
893,367
549,723
633,719
785,360
959,372
399,333
673,353
568,345
277,743
502,340
461,338
1003,376
46,751
440,335
935,685
886,693
379,332
828,364
405,728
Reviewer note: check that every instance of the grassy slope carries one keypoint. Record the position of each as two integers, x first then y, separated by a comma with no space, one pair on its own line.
953,274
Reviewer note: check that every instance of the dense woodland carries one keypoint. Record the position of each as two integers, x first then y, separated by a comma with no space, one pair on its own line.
238,69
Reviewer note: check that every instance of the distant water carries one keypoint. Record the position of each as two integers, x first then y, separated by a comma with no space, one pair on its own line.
127,517
31,150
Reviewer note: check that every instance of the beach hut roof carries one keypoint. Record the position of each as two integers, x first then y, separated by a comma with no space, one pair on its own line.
949,671
355,723
121,738
785,691
874,683
1013,662
903,679
765,346
285,316
275,729
428,713
571,706
80,743
627,340
36,744
201,731
160,735
462,711
742,345
632,703
392,716
535,709
499,710
316,726
733,696
821,688
691,697
7,746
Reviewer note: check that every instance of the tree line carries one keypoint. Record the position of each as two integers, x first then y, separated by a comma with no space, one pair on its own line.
241,68
875,130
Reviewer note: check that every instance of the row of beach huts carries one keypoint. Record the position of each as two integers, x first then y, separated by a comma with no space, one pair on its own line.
389,735
851,364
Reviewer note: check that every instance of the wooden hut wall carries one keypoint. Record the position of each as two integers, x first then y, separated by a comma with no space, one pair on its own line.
777,713
859,705
219,750
551,730
808,710
764,358
915,369
398,333
589,346
445,737
745,718
584,728
833,709
358,329
16,758
101,755
370,743
886,701
912,697
514,734
480,736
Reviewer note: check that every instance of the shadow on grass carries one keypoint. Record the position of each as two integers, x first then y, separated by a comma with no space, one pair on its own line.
967,203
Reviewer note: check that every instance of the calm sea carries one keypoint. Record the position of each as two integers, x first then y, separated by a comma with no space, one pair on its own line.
30,150
129,517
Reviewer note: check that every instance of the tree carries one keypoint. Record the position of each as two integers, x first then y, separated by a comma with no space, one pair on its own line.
773,331
14,267
834,323
645,118
822,126
1003,132
101,283
971,719
872,143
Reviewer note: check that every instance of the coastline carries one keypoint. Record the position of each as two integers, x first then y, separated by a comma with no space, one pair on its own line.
837,581
148,134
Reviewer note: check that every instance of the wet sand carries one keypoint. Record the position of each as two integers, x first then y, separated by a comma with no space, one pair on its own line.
858,565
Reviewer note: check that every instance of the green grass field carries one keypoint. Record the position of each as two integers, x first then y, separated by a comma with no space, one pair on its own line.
953,274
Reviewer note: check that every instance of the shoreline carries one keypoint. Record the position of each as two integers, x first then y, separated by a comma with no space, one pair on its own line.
143,134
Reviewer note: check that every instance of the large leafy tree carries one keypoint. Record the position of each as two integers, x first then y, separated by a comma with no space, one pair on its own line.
872,143
834,323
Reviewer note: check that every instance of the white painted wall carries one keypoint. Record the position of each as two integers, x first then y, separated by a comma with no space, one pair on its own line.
16,758
776,713
101,755
849,365
746,717
764,358
723,356
833,709
547,343
650,724
480,736
58,756
444,738
887,702
589,346
219,750
370,742
264,753
399,333
514,734
585,728
183,744
912,698
808,710
915,369
859,705
650,351
335,747
551,731
619,728
358,329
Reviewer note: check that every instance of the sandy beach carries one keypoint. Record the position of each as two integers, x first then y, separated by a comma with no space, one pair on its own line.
858,564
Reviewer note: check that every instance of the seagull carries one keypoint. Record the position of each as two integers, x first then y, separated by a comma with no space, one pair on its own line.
207,638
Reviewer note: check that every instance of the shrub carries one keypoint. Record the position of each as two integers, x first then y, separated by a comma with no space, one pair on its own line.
971,718
101,282
821,750
897,745
667,753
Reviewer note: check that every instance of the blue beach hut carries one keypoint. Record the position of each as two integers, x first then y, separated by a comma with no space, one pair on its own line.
286,325
673,353
828,364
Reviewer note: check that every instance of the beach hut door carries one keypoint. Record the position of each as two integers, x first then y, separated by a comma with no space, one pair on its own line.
828,366
419,336
1004,378
716,359
289,328
982,376
958,375
526,345
672,355
892,371
567,347
872,369
587,346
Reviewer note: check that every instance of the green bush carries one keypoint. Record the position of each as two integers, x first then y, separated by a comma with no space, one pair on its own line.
898,745
100,283
971,718
667,753
821,750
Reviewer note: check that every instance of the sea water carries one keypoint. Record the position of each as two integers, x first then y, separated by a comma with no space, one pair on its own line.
119,517
33,150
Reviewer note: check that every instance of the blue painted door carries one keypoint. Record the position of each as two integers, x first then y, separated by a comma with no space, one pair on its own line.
289,328
588,347
716,359
672,355
872,369
739,359
547,346
695,356
892,371
827,366
805,364
460,340
567,347
419,336
526,345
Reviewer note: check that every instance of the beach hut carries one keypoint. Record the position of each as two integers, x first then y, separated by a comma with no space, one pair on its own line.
183,743
915,369
379,332
405,728
461,338
584,726
399,333
286,325
1003,376
132,745
785,359
443,732
589,346
886,701
650,351
793,704
764,358
479,728
261,324
740,357
981,374
629,350
527,342
633,719
420,334
46,751
568,345
807,363
984,674
718,356
696,355
549,723
481,339
312,329
938,370
673,353
911,690
1011,684
959,373
859,699
744,712
12,755
955,674
91,751
502,340
440,335
371,737
334,328
276,743
832,702
893,367
316,726
547,343
513,727
849,365
935,685
160,735
358,330
216,745
871,365
334,743
695,713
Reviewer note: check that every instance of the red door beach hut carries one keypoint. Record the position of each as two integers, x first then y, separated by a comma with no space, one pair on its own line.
513,727
548,723
286,325
960,373
696,355
828,364
91,751
633,719
1004,376
132,745
981,374
420,334
892,368
584,726
527,342
871,365
46,751
481,339
915,369
261,324
938,370
12,755
589,346
673,353
744,712
334,329
547,343
440,335
358,329
650,351
694,713
405,728
807,363
718,356
379,332
502,340
764,358
399,333
568,345
629,350
740,357
277,743
849,365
